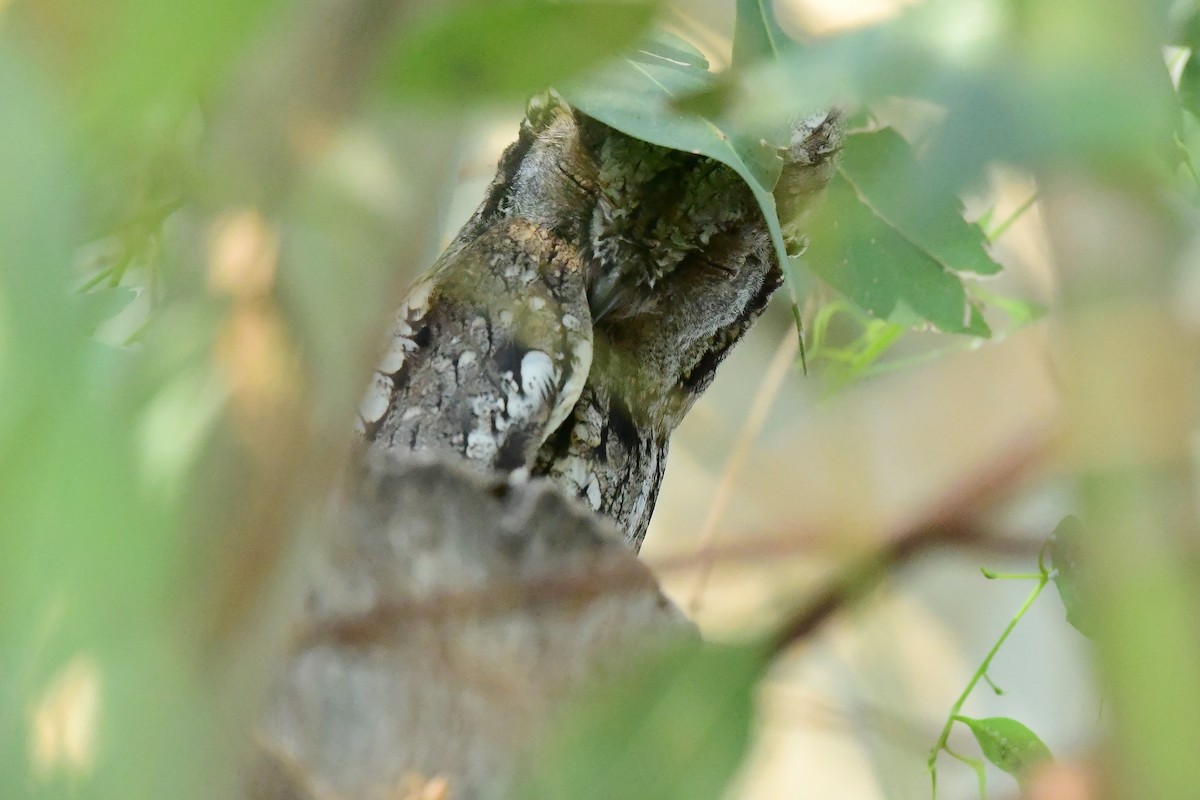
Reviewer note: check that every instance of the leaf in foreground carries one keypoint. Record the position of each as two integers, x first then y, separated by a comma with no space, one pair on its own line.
676,728
1064,549
511,48
1008,744
757,35
639,95
893,250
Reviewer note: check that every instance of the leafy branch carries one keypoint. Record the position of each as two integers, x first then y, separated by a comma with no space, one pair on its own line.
1005,742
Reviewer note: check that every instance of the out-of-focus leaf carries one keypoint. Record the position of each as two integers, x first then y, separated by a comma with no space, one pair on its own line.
859,66
756,33
95,629
1064,549
639,94
887,258
1000,104
1185,24
1008,744
84,569
511,48
1189,85
132,54
677,727
1020,312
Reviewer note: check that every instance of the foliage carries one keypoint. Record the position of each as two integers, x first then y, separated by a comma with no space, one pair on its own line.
1008,744
153,480
677,727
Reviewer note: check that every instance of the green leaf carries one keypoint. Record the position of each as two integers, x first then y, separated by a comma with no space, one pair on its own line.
884,170
1008,744
1189,85
756,34
896,260
1069,573
508,49
135,54
999,105
639,95
85,565
1185,25
676,728
1020,312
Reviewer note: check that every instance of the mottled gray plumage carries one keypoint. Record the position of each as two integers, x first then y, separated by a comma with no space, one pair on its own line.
593,294
564,333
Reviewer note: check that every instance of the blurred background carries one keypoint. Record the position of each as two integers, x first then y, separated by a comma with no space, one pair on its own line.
207,212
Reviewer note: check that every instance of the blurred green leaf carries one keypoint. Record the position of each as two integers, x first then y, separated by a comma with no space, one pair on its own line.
1185,24
1008,744
676,728
1020,312
132,56
756,34
84,564
1064,549
886,251
639,95
1189,85
508,49
1057,110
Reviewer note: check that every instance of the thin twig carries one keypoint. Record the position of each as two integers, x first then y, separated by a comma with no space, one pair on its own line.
764,399
954,523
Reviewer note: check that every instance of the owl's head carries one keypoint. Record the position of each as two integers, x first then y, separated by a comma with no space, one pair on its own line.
679,258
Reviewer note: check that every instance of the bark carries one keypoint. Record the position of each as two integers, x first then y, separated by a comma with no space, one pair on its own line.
483,565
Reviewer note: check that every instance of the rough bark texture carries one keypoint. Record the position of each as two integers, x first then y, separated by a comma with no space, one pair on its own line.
547,357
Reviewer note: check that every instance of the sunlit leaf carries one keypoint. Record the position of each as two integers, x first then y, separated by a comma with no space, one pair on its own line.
1008,744
508,49
676,728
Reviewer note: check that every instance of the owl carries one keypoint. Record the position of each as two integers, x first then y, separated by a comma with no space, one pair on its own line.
584,307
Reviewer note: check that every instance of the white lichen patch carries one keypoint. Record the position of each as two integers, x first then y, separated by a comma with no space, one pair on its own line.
466,359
